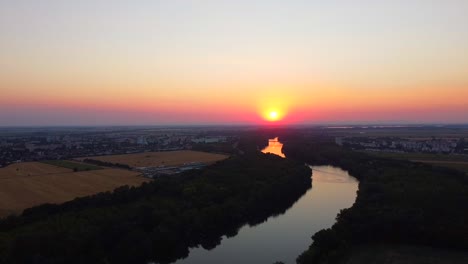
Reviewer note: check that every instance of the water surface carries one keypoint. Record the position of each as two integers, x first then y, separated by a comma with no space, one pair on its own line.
284,237
274,147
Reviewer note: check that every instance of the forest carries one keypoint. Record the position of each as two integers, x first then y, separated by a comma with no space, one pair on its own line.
398,202
158,221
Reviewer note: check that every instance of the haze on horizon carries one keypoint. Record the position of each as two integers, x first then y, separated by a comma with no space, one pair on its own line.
232,62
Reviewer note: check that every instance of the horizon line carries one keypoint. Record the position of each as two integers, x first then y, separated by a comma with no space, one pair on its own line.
181,125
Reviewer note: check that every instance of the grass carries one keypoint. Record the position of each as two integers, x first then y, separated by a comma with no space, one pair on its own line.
30,169
75,166
404,254
461,166
167,158
408,132
458,162
51,184
419,156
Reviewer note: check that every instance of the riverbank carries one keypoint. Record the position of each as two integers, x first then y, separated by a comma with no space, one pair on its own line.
160,220
284,237
399,202
404,254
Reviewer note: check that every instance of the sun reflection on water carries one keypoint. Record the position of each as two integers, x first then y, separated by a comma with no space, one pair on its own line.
274,147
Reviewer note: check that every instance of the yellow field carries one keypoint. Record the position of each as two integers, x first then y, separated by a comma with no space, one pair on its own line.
405,254
50,184
30,169
168,158
458,165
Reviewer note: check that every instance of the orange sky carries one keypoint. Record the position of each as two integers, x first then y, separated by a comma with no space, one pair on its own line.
232,62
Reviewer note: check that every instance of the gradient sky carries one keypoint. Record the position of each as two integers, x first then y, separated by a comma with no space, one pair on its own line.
96,62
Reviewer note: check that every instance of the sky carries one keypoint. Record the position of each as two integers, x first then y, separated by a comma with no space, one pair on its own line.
150,62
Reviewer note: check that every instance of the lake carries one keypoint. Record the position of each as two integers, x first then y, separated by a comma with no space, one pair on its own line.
284,237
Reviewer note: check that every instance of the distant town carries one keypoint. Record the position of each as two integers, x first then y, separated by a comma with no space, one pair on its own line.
36,144
395,144
173,179
21,145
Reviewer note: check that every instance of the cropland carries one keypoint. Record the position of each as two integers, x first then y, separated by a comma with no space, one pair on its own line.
23,185
458,162
75,166
154,159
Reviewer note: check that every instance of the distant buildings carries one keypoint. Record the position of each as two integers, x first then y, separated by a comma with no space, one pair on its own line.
142,140
58,144
339,141
429,145
209,139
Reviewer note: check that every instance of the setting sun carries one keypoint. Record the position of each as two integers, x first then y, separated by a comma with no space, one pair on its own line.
273,115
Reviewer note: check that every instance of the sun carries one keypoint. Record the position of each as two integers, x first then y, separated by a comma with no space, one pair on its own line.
273,115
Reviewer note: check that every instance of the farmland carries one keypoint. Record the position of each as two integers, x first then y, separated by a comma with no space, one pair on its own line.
403,132
154,159
26,169
403,254
23,185
420,156
458,162
75,166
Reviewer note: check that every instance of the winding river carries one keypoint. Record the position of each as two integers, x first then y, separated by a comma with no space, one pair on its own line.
284,237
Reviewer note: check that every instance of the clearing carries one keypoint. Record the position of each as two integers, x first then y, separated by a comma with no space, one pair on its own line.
25,169
23,185
454,161
73,165
405,254
155,159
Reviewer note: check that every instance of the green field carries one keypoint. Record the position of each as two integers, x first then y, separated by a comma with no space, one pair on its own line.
165,217
75,166
399,202
403,132
458,162
403,254
419,156
461,166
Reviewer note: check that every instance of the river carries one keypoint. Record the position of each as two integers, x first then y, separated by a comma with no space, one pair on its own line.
284,237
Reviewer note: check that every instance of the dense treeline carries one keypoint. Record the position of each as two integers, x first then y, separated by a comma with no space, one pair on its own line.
75,166
160,220
398,202
107,164
220,147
